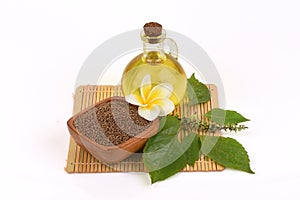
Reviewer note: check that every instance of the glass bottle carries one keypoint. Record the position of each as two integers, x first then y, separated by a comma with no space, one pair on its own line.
161,66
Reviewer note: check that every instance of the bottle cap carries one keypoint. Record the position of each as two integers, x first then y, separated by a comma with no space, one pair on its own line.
152,29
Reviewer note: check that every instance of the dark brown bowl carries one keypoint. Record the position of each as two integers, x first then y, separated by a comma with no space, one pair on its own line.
115,153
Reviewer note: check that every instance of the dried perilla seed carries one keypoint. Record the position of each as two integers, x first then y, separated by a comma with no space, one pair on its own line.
111,123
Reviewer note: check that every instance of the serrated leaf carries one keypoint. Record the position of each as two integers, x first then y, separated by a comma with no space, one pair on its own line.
227,152
164,155
167,122
227,117
167,131
192,154
197,92
168,171
189,151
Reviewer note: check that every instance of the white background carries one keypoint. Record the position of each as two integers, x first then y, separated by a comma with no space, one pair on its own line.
254,45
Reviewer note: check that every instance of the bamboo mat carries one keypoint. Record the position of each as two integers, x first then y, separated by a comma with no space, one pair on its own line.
81,161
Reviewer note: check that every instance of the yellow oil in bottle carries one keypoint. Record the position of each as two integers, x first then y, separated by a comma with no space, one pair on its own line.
163,68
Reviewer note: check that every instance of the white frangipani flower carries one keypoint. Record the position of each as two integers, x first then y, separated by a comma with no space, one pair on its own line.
153,101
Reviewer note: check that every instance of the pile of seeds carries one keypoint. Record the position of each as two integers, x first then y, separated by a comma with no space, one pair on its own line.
111,123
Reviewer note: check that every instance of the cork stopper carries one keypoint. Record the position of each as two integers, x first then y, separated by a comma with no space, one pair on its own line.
152,29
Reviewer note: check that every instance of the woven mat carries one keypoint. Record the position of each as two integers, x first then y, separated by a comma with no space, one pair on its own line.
81,161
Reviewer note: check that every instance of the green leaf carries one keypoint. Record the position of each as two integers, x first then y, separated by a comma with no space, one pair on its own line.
225,117
164,155
227,152
169,127
193,152
197,92
166,172
169,122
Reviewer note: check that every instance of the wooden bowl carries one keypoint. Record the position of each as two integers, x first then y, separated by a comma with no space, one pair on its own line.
114,153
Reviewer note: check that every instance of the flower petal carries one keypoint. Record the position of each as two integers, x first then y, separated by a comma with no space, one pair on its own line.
149,113
134,99
146,80
145,87
163,90
166,106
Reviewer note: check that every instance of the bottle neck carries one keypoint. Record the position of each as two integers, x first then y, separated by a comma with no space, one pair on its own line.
153,48
153,52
